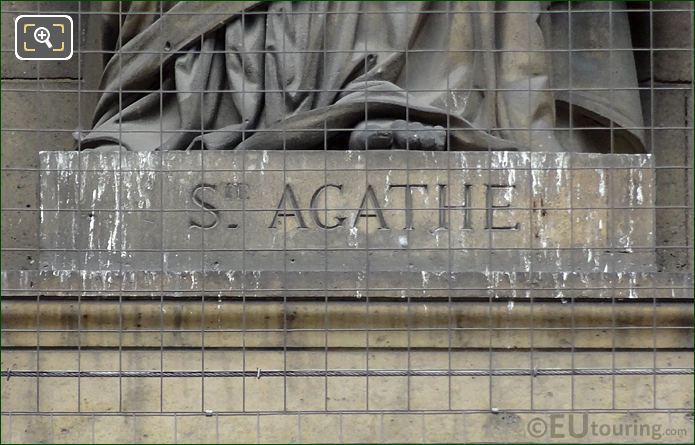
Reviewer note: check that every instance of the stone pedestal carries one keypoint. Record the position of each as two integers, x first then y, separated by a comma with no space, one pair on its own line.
375,211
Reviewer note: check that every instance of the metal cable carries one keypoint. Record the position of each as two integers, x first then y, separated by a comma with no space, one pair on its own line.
258,373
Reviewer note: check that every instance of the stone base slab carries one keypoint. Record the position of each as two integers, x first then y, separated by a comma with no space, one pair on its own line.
347,211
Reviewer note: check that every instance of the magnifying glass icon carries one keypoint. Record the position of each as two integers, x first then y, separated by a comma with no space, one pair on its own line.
42,35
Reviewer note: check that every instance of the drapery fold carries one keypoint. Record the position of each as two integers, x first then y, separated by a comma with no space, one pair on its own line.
300,75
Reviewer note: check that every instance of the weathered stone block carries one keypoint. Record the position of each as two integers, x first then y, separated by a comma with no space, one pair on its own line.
25,104
362,428
17,231
279,429
673,41
155,429
109,429
444,427
670,142
195,429
320,428
28,429
663,41
69,429
346,211
26,128
238,429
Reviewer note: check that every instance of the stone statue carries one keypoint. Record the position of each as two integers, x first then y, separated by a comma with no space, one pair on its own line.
369,75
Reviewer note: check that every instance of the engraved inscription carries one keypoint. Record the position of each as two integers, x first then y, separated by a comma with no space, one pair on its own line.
236,190
396,211
197,195
498,199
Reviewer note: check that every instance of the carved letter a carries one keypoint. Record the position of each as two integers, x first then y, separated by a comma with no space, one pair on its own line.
288,206
365,207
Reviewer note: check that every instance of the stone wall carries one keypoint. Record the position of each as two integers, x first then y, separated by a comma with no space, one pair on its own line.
669,110
43,106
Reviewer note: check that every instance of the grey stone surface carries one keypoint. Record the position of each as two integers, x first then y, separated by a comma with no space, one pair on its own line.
86,35
498,322
229,211
398,427
481,408
100,396
27,127
673,41
562,286
40,109
666,47
48,109
689,157
26,69
671,142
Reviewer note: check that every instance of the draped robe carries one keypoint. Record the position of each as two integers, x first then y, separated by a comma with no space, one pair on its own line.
300,75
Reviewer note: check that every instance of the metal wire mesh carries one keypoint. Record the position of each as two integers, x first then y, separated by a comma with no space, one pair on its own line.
310,348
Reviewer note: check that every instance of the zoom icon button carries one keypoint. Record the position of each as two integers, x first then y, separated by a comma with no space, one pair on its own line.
43,37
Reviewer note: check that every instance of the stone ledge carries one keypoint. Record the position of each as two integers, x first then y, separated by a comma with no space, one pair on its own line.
518,286
239,325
